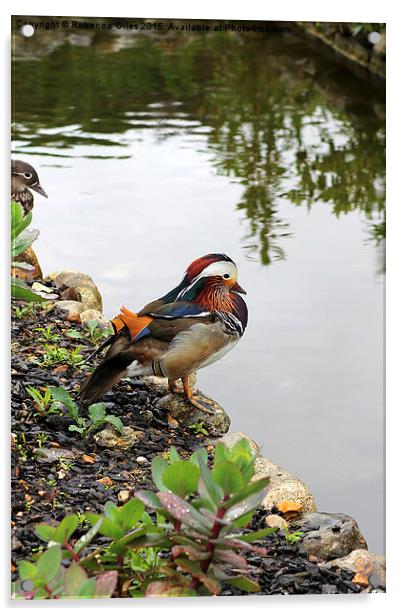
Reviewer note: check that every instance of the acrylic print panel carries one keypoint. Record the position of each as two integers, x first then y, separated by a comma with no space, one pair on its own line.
181,162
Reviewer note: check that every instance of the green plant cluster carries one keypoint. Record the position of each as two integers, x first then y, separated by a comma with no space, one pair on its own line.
193,543
21,239
53,399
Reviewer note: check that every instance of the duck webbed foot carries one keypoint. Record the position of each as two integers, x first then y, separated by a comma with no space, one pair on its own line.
198,401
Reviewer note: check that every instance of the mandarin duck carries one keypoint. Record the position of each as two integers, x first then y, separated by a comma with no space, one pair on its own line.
23,177
192,326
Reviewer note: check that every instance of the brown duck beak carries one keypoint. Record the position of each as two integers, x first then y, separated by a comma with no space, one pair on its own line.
238,289
38,188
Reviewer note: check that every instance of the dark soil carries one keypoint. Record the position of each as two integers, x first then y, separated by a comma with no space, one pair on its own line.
46,492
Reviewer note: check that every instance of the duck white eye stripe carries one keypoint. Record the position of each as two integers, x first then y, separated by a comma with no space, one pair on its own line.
219,268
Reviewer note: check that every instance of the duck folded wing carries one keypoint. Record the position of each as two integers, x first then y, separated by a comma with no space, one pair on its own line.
139,340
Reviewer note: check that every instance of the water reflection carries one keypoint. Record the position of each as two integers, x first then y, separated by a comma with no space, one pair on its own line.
280,120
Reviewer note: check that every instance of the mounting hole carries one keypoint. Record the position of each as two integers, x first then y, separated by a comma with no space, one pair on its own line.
27,30
374,37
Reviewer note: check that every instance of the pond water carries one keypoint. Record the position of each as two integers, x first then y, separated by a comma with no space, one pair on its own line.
155,150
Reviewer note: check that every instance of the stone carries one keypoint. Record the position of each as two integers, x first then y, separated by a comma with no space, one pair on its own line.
111,438
78,287
186,414
141,460
94,315
70,310
283,486
28,256
329,535
275,521
123,496
71,278
45,292
52,454
89,297
364,564
231,438
161,385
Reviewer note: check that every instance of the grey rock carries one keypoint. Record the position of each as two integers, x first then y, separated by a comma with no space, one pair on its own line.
231,438
69,310
112,439
147,416
186,414
363,563
283,486
94,315
72,278
89,297
52,454
329,535
79,287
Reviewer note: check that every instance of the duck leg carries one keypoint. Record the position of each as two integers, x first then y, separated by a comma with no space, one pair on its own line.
199,402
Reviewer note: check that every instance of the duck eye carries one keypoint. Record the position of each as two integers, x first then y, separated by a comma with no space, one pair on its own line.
226,276
27,175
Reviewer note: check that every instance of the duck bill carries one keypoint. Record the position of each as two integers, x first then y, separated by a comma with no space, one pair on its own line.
38,188
238,289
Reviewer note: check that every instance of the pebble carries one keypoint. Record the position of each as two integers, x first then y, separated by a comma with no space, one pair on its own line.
123,496
141,460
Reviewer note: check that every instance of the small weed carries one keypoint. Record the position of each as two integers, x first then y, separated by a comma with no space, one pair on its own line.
43,403
199,428
42,439
54,354
94,334
46,334
26,311
294,537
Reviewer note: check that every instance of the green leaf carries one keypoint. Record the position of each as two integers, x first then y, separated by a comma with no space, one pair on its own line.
167,588
19,221
86,590
181,477
111,510
149,498
200,454
27,570
19,290
74,578
23,241
245,505
87,538
209,581
66,528
244,583
128,515
173,455
251,488
184,512
207,487
97,411
48,563
107,528
116,422
158,467
106,584
59,394
227,475
221,453
74,333
45,532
